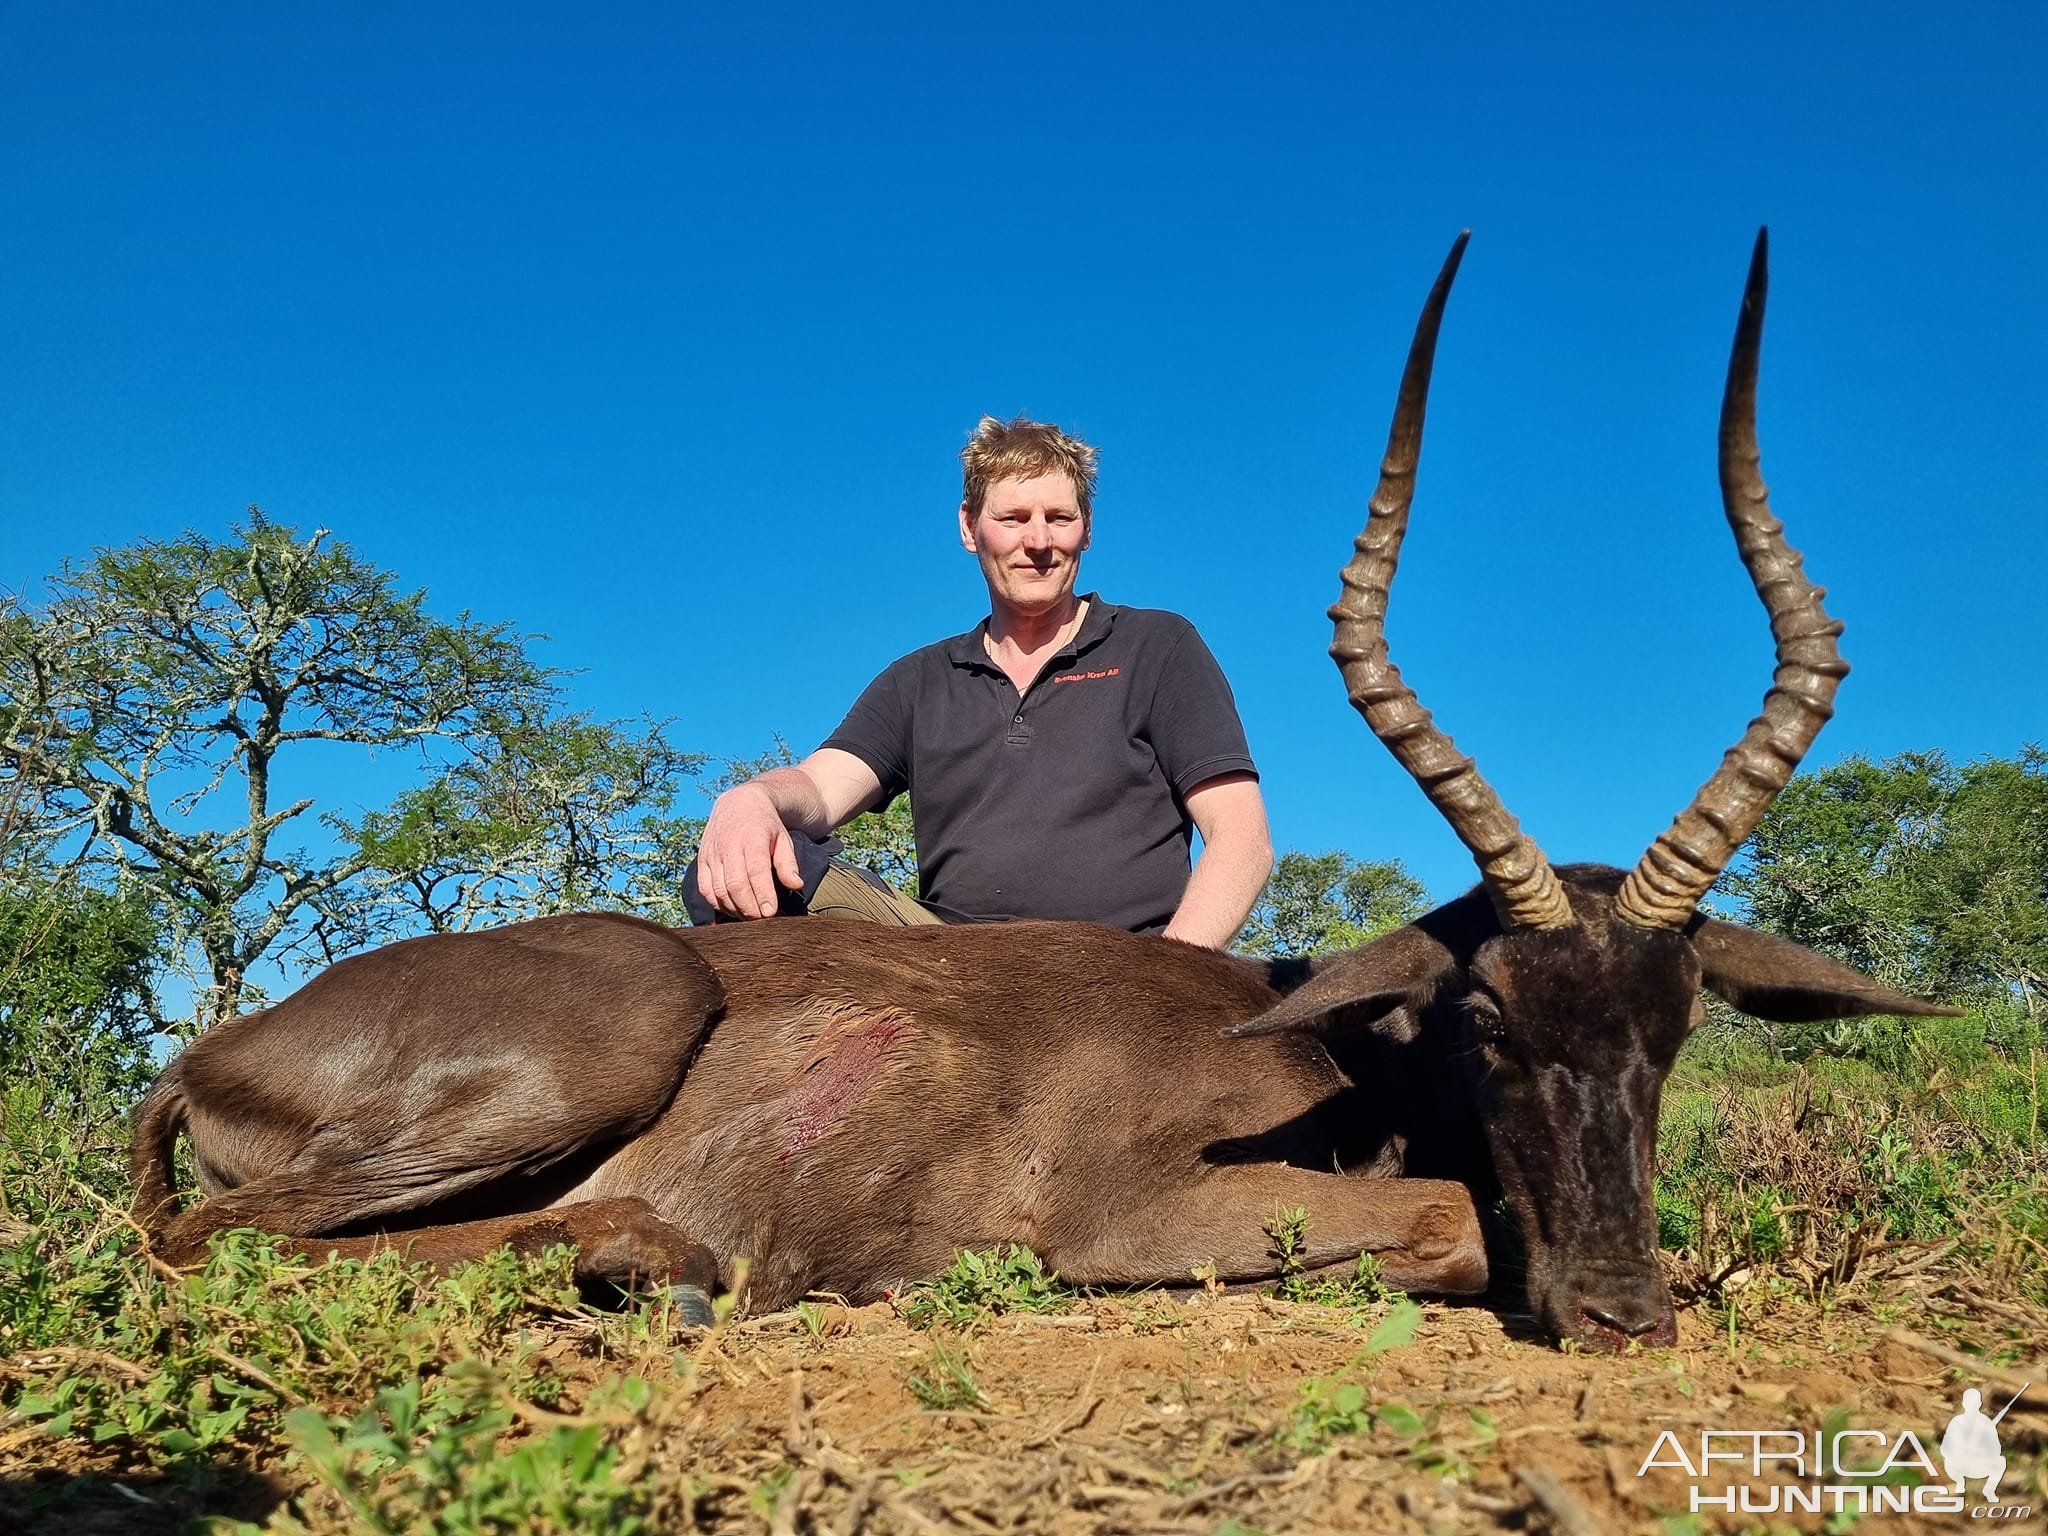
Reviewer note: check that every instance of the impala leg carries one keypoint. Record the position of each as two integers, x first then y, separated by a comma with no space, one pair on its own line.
1425,1232
444,1078
400,1153
618,1242
348,1180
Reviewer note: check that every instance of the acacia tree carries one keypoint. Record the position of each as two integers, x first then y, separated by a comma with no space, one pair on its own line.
171,707
543,816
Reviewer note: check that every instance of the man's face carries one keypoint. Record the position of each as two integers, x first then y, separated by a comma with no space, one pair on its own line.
1028,538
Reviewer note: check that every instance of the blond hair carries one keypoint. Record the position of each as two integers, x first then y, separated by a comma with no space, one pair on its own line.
1021,450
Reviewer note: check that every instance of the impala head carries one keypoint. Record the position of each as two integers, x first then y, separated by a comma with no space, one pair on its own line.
1569,989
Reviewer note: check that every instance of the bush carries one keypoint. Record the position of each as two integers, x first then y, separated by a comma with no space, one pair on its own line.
1912,1136
75,1014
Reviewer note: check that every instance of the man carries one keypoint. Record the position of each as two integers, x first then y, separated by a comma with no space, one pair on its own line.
1057,756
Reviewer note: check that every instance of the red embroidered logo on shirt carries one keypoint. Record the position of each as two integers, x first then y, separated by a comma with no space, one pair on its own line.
1086,677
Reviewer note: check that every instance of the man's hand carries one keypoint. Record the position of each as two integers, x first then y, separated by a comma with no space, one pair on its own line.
747,848
746,852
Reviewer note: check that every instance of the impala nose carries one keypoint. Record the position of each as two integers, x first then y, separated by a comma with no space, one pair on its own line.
1634,1326
1616,1324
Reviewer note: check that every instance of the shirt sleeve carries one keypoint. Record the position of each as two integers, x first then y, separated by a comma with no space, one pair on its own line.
1193,725
877,730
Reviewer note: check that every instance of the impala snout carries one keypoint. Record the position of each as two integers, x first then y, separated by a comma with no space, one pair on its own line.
1608,1308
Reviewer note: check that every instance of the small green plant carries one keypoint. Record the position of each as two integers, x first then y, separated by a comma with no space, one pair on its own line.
812,1316
944,1380
1426,1452
1357,1292
768,1493
425,1459
1326,1407
979,1285
1147,1318
1289,1233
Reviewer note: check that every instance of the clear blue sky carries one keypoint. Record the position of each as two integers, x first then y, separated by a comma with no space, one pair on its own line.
656,329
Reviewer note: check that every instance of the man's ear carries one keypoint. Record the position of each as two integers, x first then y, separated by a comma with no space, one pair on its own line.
1360,987
967,531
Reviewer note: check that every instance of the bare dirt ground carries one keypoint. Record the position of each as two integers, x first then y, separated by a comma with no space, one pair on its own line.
1154,1414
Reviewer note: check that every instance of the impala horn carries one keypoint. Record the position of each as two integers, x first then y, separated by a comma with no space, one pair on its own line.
1526,892
1677,869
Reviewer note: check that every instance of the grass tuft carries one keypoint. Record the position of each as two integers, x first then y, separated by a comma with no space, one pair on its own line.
983,1284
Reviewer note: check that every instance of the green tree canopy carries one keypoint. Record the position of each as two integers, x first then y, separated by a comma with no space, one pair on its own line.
1930,876
884,840
169,705
1316,903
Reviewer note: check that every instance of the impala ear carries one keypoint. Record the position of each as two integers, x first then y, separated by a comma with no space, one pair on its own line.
1360,987
1776,979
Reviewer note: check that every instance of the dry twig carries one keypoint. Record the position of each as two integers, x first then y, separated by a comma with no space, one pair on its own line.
1563,1507
1963,1362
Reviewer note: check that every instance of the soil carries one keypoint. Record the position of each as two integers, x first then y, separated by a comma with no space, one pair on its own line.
1138,1414
1155,1413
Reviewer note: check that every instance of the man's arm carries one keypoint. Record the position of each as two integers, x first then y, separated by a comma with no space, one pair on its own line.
1236,861
747,847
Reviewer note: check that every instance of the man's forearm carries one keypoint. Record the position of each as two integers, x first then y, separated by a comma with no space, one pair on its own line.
1226,881
797,800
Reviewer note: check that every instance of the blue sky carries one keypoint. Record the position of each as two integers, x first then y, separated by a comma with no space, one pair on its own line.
656,330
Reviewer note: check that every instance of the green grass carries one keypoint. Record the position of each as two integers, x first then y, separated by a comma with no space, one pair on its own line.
1921,1132
944,1379
390,1386
425,1459
983,1284
196,1365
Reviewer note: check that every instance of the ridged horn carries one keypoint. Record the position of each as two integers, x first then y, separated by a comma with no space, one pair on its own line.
1525,891
1677,869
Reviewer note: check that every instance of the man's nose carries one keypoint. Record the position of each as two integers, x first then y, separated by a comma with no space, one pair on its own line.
1038,535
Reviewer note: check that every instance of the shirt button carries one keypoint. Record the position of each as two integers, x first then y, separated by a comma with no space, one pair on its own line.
1018,721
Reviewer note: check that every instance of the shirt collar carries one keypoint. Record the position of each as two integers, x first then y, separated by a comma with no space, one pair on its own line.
971,650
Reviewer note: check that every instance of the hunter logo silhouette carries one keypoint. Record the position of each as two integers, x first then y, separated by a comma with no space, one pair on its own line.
1969,1446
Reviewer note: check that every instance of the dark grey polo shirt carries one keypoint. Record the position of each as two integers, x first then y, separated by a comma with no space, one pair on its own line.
1068,801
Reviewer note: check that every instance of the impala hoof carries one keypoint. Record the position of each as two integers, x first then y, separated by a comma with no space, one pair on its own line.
691,1306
